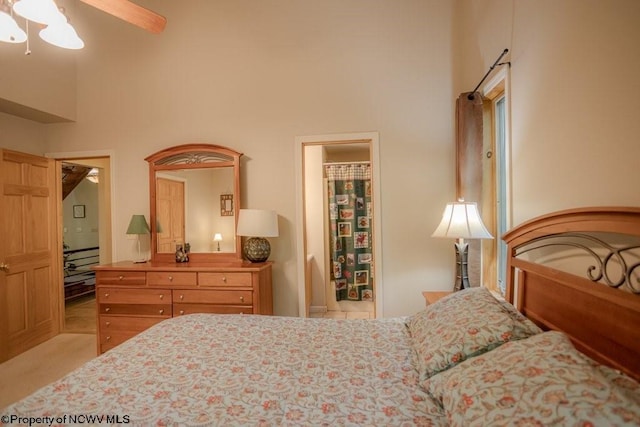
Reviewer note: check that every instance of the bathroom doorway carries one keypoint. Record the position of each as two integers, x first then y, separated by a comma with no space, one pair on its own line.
339,243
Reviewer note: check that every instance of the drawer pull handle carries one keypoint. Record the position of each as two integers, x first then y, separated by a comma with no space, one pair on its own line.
181,311
107,323
109,338
171,278
224,279
242,312
161,296
108,309
161,311
106,295
241,299
181,297
120,277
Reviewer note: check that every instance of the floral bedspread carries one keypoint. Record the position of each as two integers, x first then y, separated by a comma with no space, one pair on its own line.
252,370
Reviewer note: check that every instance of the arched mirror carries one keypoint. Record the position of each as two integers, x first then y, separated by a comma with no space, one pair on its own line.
195,198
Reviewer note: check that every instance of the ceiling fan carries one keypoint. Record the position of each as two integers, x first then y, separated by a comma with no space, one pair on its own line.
132,13
57,30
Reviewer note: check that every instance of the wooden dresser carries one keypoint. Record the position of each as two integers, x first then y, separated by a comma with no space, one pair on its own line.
132,297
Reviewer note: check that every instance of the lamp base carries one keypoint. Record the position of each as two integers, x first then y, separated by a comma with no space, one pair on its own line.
256,249
462,274
140,259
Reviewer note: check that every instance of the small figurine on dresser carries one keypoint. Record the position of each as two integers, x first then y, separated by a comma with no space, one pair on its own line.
182,254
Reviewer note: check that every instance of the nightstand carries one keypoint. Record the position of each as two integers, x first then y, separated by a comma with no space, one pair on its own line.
432,296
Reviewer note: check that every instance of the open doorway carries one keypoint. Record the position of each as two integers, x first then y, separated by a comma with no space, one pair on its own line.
85,234
339,245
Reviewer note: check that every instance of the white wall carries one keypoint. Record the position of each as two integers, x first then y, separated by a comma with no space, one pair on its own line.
203,219
314,222
253,75
22,135
80,233
222,183
45,80
575,91
103,164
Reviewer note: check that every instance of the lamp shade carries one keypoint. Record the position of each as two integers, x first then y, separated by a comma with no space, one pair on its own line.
63,35
138,225
257,223
9,30
461,220
40,11
217,237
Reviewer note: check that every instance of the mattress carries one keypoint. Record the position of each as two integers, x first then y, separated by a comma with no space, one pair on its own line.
206,369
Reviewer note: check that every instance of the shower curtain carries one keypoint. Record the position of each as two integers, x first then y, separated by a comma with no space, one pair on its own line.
349,197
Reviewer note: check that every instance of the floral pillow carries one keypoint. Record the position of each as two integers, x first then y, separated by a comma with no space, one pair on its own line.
462,325
542,380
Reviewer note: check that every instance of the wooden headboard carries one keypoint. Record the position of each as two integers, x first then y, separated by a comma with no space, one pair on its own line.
599,310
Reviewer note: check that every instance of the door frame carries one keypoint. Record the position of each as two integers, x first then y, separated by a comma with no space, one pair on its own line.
301,242
70,156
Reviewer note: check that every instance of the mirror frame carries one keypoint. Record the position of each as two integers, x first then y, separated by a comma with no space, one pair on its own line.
193,156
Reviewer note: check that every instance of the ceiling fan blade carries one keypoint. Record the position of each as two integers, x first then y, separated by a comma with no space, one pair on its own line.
132,13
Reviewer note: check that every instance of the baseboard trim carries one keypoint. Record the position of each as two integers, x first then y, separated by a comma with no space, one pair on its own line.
318,309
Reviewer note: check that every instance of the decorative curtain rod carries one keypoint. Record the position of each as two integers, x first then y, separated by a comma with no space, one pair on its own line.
471,96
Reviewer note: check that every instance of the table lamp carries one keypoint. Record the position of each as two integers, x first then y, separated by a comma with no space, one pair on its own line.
460,221
217,238
138,225
257,224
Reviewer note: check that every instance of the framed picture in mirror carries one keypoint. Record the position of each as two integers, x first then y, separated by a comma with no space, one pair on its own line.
78,211
226,205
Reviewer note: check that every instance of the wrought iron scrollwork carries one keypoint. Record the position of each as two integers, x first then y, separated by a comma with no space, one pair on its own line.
599,271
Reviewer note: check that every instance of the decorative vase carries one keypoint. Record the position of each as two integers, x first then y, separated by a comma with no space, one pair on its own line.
257,249
181,254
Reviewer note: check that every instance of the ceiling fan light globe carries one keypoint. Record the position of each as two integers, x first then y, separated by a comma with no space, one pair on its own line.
9,30
40,11
62,35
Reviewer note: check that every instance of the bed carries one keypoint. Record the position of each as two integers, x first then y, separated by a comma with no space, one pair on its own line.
469,359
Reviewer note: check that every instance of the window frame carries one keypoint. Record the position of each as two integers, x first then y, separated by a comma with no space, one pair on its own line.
497,167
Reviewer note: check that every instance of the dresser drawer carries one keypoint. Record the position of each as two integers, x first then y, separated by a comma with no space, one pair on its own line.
182,309
111,324
112,339
152,310
133,296
213,297
115,330
169,278
225,279
125,278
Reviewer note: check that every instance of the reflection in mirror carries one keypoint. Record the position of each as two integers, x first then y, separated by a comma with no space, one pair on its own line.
189,210
194,199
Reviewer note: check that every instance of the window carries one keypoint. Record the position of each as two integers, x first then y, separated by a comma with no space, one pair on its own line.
501,191
497,187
